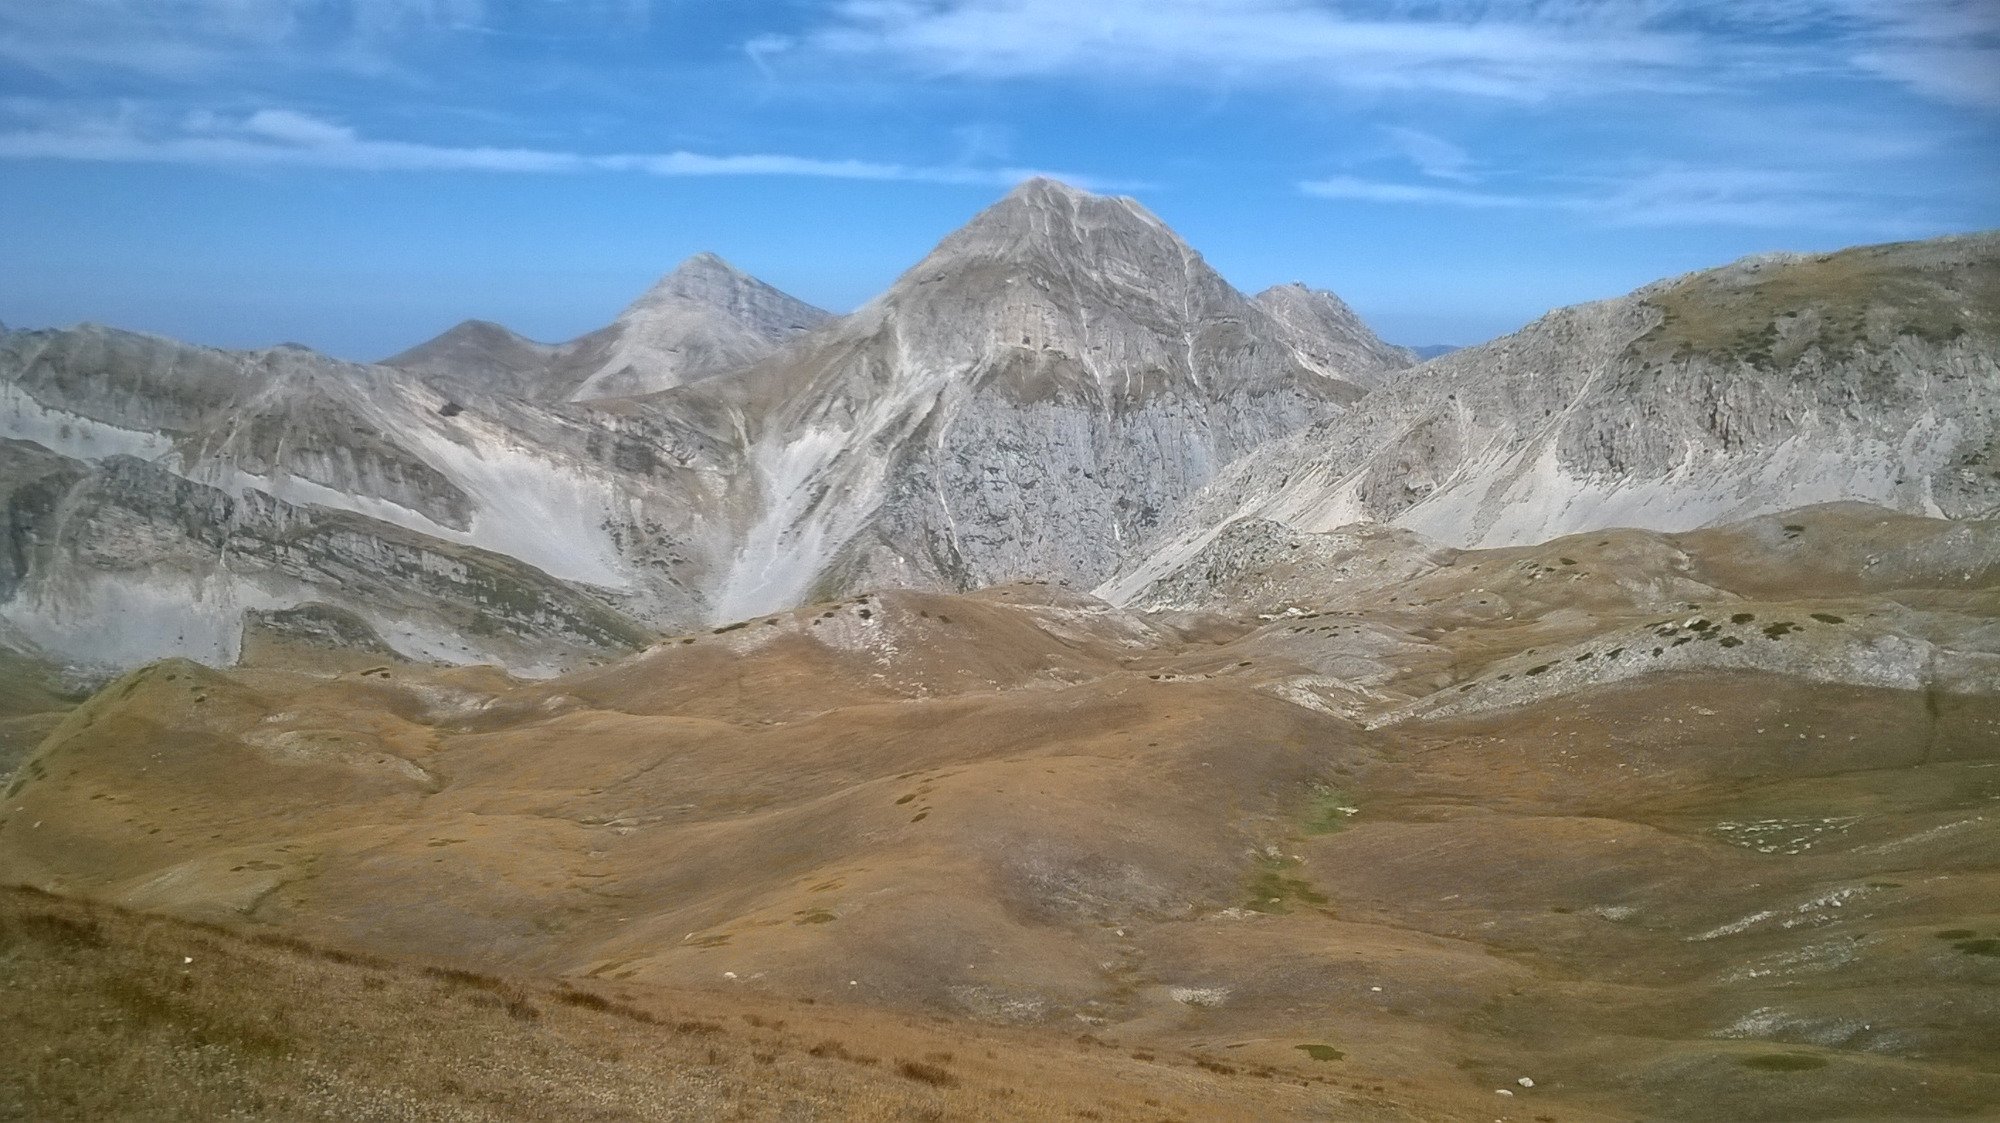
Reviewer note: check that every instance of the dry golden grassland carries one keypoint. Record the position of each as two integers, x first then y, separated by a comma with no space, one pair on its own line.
108,1015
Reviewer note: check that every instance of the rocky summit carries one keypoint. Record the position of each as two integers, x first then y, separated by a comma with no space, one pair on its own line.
1064,687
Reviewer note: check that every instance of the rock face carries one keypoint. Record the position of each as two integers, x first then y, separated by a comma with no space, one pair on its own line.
703,319
1031,400
1872,374
135,561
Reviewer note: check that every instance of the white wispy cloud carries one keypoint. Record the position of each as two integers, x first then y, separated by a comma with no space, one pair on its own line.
1948,50
1383,191
1944,49
201,39
1508,50
285,138
1432,155
1666,196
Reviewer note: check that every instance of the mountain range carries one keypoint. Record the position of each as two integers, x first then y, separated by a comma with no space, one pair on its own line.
1064,687
1062,390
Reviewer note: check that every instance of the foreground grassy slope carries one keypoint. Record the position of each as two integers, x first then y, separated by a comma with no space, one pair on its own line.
108,1015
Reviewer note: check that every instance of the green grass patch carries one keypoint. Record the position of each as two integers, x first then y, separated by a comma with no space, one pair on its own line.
1328,810
1271,891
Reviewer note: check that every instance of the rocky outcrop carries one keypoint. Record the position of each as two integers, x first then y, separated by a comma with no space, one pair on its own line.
1256,566
1893,650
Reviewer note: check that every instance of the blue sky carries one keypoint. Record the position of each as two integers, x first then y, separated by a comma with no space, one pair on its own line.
357,175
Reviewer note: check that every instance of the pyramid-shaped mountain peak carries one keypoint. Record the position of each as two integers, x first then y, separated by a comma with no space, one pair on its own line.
707,283
703,277
706,264
1042,198
1044,188
1048,228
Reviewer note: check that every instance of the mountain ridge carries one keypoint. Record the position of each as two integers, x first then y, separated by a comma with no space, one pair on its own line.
1870,374
703,318
1061,390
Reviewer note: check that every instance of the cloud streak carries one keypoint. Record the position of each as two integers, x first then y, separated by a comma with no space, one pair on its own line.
1524,50
1671,196
1363,190
1948,50
1360,46
283,138
1434,156
198,40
